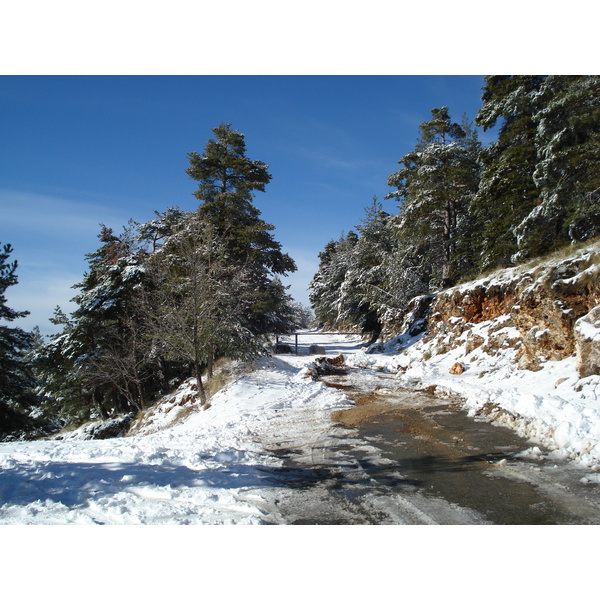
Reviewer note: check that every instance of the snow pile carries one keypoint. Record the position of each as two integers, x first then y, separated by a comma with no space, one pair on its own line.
209,469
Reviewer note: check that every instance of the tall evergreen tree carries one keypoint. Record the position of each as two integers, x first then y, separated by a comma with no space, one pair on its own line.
326,286
434,188
97,365
507,191
197,300
228,180
16,381
567,174
363,293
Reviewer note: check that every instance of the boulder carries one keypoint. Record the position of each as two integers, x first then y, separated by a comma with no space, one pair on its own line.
283,349
587,343
473,342
457,369
316,349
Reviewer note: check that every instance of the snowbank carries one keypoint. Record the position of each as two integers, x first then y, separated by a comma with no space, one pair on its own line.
208,468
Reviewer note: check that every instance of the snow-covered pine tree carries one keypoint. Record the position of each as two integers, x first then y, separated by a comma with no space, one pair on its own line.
325,295
16,381
567,174
152,234
197,299
99,364
227,182
507,191
363,294
435,187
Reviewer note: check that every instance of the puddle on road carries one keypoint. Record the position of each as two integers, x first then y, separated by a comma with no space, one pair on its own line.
441,451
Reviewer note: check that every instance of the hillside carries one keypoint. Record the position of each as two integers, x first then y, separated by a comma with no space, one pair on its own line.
520,346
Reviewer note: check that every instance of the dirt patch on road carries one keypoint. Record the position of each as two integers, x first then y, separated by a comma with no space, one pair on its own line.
367,406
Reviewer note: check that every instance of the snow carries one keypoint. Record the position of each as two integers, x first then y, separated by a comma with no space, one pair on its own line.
185,465
588,330
209,469
205,470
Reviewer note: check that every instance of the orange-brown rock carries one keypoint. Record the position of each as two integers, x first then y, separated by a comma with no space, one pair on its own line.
337,361
533,308
457,369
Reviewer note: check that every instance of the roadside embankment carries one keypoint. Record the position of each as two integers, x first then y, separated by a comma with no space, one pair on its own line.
521,347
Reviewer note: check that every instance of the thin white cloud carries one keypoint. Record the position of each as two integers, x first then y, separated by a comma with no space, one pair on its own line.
39,292
50,237
26,212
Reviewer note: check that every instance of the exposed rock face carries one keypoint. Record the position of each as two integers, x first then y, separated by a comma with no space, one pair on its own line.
533,308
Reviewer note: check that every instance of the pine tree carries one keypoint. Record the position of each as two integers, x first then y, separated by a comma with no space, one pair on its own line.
434,188
197,300
567,173
16,381
363,294
507,191
227,182
326,297
101,358
152,234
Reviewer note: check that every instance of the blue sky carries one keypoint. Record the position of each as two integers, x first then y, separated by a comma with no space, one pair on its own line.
77,151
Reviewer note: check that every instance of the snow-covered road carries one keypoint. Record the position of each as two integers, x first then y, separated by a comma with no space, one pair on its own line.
225,465
267,451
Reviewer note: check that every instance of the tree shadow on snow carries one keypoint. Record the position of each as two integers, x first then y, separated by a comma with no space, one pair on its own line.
74,484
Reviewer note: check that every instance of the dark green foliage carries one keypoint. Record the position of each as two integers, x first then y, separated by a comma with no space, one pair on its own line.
464,209
164,299
567,174
435,189
227,180
507,192
99,364
17,399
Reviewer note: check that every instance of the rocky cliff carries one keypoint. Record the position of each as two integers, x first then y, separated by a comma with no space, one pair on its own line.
547,310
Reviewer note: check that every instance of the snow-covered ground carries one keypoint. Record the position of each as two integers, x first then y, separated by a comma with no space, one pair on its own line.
212,467
204,470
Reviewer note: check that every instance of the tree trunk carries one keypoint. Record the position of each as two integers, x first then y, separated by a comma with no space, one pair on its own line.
201,392
211,362
140,395
163,375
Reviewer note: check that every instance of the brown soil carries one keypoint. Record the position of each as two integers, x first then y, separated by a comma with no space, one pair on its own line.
366,406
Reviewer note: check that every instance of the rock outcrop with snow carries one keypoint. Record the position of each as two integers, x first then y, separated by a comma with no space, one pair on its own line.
534,309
